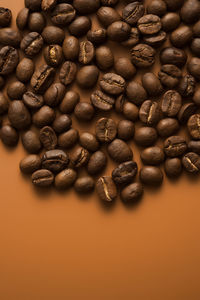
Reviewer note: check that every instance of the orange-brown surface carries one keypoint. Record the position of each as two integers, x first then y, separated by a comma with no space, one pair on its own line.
61,246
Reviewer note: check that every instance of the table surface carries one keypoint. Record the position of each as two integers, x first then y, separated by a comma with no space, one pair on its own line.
60,246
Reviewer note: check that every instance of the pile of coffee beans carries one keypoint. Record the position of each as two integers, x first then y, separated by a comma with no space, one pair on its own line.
157,109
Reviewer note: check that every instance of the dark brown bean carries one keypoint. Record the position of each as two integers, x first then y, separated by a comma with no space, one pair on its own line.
42,178
106,189
119,151
30,164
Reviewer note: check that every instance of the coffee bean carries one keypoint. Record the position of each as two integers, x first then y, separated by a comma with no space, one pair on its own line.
106,130
86,6
151,175
53,35
194,126
143,55
171,103
157,7
87,76
145,136
9,135
84,184
149,112
191,162
174,5
175,146
48,5
119,151
68,138
71,47
9,59
10,37
89,141
112,83
130,111
170,21
68,72
48,138
133,12
196,29
97,36
42,78
124,68
190,11
53,55
132,193
187,86
102,101
120,102
65,179
155,40
15,90
62,123
170,75
181,36
25,69
194,146
19,115
104,58
32,43
80,157
33,5
194,67
152,156
195,46
106,189
36,22
30,164
69,102
80,26
43,117
32,100
118,31
22,18
5,17
187,110
96,163
107,16
55,160
86,53
109,2
172,55
173,167
42,178
54,94
152,84
125,130
149,24
3,104
133,39
84,111
136,93
63,14
125,172
31,142
167,127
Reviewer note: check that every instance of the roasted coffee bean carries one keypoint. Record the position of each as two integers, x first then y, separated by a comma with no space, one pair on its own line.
187,110
125,172
194,146
97,36
87,76
106,189
172,55
155,40
33,5
170,21
173,167
22,18
151,175
118,31
106,130
187,86
157,7
5,17
71,47
62,123
125,130
174,5
48,5
96,163
69,102
84,111
194,67
149,24
86,6
43,117
152,84
31,141
68,138
42,178
108,15
32,100
42,78
80,157
54,94
124,68
169,75
149,112
195,46
53,35
25,69
132,193
133,12
120,102
145,136
112,83
133,39
53,55
102,101
30,164
104,58
191,162
2,82
109,2
68,72
48,138
130,111
10,37
119,151
9,59
55,160
196,29
171,103
19,115
84,184
143,55
65,179
181,36
194,126
175,146
190,11
86,52
63,14
15,90
32,43
152,156
9,136
3,104
136,93
167,127
89,141
80,26
36,22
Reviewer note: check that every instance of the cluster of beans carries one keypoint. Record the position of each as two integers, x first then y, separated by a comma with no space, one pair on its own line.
38,104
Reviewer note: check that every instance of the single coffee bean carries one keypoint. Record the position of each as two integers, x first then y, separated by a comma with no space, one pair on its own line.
169,75
97,36
181,36
5,17
9,136
22,18
196,29
19,115
55,160
80,157
187,86
86,52
112,83
53,55
133,38
15,90
67,73
104,58
3,104
130,111
43,117
143,55
195,46
102,101
71,47
84,184
133,12
33,5
118,31
155,40
173,167
106,189
31,141
54,94
48,5
80,26
190,11
25,69
119,151
194,146
63,14
191,162
136,93
62,123
36,22
48,138
194,126
120,102
125,130
194,67
9,59
187,110
86,6
69,102
125,68
53,35
10,37
109,2
107,16
65,179
106,130
132,193
68,138
42,78
151,175
149,24
30,164
171,103
87,76
96,163
84,111
152,156
157,7
170,21
172,55
89,141
152,84
32,43
174,5
145,136
32,100
175,146
125,172
42,178
167,127
149,112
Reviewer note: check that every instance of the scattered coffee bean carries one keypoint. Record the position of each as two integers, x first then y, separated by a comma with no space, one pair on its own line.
9,59
133,12
36,22
53,35
69,102
86,52
32,100
119,151
112,83
102,101
187,110
80,26
174,5
84,184
169,76
149,24
65,179
32,43
125,130
63,14
33,5
125,68
25,69
194,67
3,104
97,36
145,136
171,103
42,78
10,37
68,72
19,115
87,76
194,126
195,46
152,156
157,7
172,55
71,47
44,116
107,15
9,135
80,157
106,130
68,138
30,164
104,58
5,17
42,178
84,111
48,5
96,163
194,146
106,189
130,111
15,90
173,167
125,173
170,21
191,162
175,146
151,175
54,94
143,55
48,138
31,142
152,84
133,38
132,193
149,112
190,11
62,123
53,55
136,93
167,127
22,18
181,36
187,86
155,40
86,6
89,141
55,160
118,31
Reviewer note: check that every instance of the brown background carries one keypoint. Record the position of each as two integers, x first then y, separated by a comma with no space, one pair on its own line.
59,246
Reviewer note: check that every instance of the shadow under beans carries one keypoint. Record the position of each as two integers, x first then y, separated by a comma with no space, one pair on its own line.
42,193
192,177
108,207
131,206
